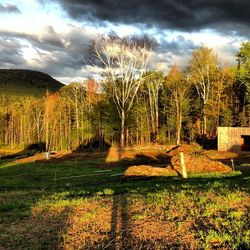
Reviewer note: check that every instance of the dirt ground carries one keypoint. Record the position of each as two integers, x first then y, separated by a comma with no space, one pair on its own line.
196,161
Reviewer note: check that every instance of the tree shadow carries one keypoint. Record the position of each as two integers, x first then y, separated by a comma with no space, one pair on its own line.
26,225
119,232
96,143
159,160
19,155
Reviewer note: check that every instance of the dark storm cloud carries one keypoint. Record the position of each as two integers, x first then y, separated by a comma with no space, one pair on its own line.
9,8
11,53
58,54
175,14
47,40
170,52
178,46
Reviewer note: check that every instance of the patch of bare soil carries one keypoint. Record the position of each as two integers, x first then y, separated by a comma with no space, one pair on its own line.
229,157
40,231
196,161
153,234
199,164
132,152
89,226
37,157
61,156
145,170
185,148
220,155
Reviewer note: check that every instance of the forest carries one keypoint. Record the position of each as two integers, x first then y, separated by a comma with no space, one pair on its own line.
132,104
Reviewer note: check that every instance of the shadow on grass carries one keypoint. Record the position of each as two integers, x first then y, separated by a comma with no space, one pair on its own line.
119,231
30,150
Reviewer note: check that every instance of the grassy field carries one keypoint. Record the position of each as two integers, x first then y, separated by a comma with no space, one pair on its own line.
87,203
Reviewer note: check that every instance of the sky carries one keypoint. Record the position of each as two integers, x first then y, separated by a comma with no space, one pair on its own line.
55,36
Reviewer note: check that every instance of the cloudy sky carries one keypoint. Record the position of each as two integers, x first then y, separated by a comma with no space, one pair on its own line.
53,36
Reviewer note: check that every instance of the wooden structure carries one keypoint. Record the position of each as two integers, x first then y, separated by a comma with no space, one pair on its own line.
233,139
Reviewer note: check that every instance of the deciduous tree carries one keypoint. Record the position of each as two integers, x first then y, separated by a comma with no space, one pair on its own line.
202,71
124,62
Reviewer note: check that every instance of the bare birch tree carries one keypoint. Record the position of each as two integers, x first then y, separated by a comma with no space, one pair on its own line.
124,62
75,95
202,68
153,84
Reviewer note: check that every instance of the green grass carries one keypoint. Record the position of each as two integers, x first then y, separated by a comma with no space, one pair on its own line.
73,205
51,175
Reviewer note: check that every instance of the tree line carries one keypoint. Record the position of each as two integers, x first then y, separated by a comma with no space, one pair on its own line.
133,105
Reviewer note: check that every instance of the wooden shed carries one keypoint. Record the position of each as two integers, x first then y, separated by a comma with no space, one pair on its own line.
233,139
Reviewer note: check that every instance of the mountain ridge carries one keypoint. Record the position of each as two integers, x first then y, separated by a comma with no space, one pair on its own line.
22,82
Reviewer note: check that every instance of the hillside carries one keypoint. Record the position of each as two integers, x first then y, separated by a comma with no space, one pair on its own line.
19,82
